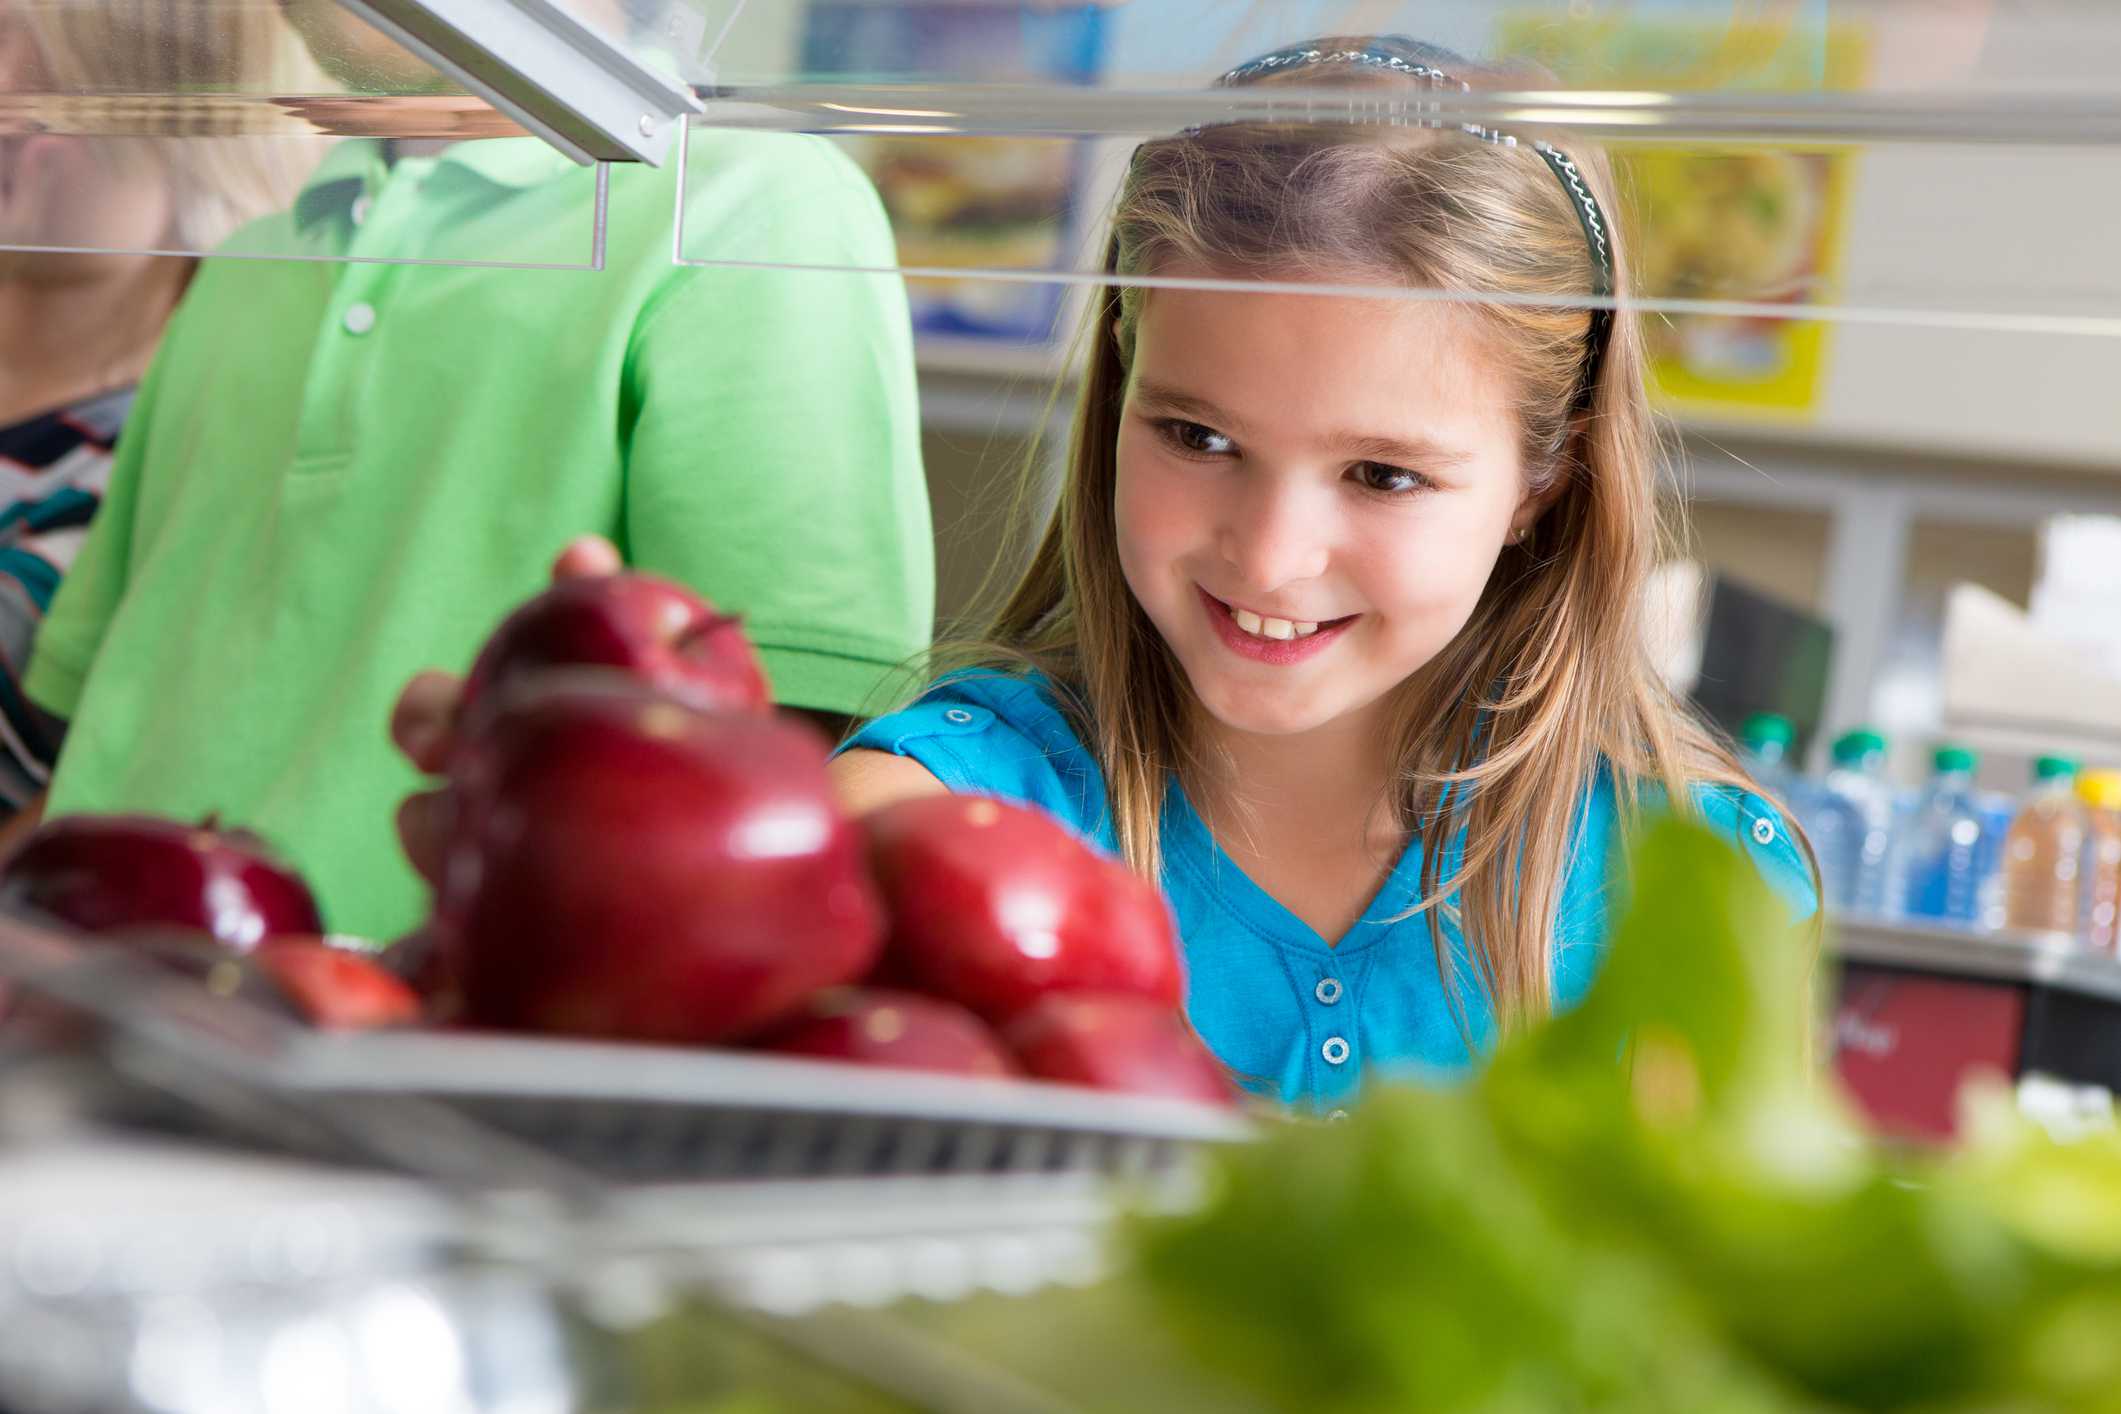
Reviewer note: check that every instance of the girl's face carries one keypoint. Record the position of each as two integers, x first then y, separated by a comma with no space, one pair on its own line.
1312,491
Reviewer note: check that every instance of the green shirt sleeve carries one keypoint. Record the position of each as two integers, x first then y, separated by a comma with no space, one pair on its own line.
88,594
773,455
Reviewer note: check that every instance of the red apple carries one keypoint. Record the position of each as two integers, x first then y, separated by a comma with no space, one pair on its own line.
334,986
621,865
101,873
652,628
1120,1043
872,1026
996,905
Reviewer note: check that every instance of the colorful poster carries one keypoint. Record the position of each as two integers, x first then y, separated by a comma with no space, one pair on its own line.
971,203
1730,243
1750,227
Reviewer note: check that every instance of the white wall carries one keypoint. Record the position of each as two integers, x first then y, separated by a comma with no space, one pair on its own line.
1991,230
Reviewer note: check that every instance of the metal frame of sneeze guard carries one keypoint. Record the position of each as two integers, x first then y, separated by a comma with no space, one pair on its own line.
562,80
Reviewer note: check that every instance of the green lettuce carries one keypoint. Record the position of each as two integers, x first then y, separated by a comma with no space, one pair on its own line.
1655,1202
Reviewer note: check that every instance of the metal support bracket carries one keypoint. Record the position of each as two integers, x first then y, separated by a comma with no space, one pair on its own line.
560,78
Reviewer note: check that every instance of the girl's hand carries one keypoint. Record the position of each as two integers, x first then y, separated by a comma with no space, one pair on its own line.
423,724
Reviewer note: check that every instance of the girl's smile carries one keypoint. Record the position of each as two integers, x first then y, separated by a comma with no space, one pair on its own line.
1266,639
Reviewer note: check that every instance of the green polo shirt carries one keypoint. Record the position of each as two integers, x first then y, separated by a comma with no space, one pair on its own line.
339,473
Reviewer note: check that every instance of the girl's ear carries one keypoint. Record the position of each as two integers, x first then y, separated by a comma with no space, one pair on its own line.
1538,501
1534,505
1532,508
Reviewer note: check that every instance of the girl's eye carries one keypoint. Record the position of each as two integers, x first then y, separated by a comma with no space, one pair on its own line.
1193,438
1391,480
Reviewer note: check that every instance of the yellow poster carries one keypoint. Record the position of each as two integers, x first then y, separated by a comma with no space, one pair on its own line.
1729,243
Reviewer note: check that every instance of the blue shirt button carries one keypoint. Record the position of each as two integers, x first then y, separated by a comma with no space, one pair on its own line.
1335,1050
957,716
1327,991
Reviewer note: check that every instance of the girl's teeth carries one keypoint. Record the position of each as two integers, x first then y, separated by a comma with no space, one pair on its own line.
1260,627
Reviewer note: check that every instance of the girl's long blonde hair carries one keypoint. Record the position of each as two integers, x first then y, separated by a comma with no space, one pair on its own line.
1550,681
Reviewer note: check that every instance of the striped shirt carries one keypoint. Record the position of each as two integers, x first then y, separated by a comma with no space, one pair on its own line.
53,468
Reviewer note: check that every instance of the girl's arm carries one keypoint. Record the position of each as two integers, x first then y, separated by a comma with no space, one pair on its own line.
870,780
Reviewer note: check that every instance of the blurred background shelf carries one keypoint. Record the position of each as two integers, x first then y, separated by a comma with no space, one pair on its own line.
2094,750
1919,1011
2053,960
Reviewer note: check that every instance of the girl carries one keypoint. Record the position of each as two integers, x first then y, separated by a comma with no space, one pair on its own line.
1334,631
1335,628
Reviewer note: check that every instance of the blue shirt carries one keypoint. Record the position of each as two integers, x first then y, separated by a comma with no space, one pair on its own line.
1291,1016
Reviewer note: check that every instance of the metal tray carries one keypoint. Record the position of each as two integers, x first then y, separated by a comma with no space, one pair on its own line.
615,1178
638,1113
574,1118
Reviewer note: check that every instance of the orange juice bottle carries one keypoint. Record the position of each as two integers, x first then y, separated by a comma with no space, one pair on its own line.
2100,792
2043,855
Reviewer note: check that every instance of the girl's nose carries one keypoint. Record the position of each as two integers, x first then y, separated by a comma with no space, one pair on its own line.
1271,538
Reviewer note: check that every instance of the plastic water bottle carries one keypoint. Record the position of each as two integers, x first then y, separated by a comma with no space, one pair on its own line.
1766,739
1832,825
2043,858
1998,811
1856,811
1940,873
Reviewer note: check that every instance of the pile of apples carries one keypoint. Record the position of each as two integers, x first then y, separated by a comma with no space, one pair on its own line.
210,902
638,848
